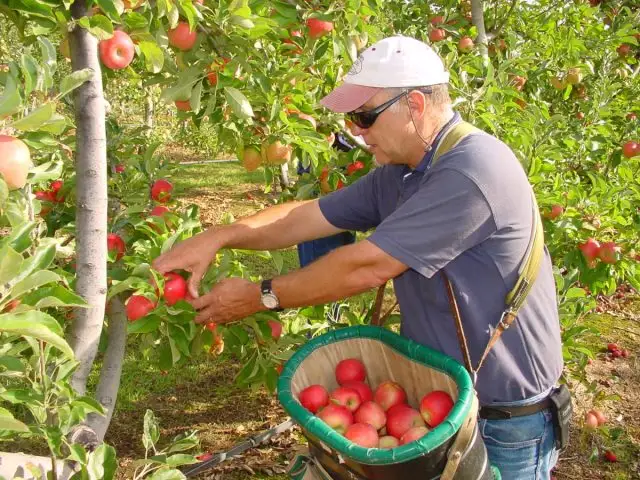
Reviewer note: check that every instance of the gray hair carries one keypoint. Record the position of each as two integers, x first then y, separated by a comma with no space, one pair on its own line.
439,95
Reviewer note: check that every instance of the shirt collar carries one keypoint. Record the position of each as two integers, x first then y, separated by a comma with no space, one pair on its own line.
425,163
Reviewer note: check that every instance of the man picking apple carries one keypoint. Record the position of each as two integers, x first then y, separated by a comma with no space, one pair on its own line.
469,215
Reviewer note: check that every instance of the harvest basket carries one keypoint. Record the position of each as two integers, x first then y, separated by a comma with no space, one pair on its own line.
419,369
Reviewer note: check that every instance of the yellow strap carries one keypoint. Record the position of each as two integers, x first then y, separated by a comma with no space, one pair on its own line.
533,257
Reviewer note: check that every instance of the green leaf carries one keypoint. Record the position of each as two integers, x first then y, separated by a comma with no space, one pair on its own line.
153,56
37,325
181,459
30,71
102,463
168,475
151,431
196,95
54,296
35,118
238,102
35,280
89,405
46,171
33,8
10,100
77,453
20,237
40,260
4,193
49,58
10,264
98,25
109,7
74,80
7,422
147,324
55,125
136,21
12,364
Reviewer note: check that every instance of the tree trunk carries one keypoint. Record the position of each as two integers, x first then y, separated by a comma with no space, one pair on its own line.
477,16
91,201
107,391
148,111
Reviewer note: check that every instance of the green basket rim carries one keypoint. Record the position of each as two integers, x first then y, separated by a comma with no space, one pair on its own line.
410,349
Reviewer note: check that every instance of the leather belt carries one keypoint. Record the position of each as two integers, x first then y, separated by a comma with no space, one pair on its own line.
503,413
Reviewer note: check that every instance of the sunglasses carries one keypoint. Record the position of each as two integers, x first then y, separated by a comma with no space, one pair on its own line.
367,118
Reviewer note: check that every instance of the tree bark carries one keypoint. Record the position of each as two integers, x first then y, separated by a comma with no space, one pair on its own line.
477,16
91,201
109,383
284,176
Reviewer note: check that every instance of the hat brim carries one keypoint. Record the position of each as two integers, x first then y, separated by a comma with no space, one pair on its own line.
348,97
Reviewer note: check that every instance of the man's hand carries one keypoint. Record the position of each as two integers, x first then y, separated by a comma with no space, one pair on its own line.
229,300
193,255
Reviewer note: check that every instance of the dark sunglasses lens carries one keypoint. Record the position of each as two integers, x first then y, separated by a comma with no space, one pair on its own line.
363,119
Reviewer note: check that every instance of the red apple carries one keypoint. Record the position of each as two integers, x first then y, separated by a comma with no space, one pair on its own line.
354,167
465,44
161,190
612,347
363,390
600,417
158,211
175,288
631,116
183,105
119,168
623,50
276,329
435,406
182,37
116,244
437,34
138,307
556,211
608,252
371,413
346,397
413,434
389,394
388,441
213,78
401,418
350,370
518,82
15,161
336,416
117,52
580,115
590,420
318,28
631,149
590,249
362,434
437,20
314,397
610,456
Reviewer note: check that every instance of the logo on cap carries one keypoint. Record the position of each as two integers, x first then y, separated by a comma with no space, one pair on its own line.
356,68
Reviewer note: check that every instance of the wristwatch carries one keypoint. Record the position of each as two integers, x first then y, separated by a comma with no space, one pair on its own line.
268,298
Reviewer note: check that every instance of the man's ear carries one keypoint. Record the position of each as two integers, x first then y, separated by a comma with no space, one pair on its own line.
417,103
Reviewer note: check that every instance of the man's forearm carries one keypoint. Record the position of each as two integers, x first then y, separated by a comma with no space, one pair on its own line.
339,274
276,227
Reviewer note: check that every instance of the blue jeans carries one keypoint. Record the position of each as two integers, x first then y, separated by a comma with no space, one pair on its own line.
522,448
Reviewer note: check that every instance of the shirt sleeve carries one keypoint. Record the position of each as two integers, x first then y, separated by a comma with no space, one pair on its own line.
446,216
354,207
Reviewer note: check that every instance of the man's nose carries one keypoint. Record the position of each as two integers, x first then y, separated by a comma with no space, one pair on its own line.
356,131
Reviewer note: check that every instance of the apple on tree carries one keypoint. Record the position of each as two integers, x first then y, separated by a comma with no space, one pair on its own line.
116,244
175,288
437,35
631,149
138,306
465,44
15,161
161,190
182,37
318,28
117,52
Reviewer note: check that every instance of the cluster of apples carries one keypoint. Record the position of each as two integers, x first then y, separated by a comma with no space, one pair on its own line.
592,250
374,419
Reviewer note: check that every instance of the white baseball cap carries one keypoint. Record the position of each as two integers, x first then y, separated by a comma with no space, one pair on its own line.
397,61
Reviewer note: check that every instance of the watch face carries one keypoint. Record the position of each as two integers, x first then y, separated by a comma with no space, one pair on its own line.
269,301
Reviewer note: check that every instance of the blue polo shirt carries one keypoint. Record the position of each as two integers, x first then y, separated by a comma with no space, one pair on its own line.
469,214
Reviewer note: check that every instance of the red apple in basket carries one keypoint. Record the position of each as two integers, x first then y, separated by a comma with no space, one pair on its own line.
363,390
350,370
435,406
413,434
314,397
387,441
389,394
346,397
371,413
336,416
363,434
401,418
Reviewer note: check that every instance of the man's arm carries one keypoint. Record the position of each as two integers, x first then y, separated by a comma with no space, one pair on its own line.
276,227
343,272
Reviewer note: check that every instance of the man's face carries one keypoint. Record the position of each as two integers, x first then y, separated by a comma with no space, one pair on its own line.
387,137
